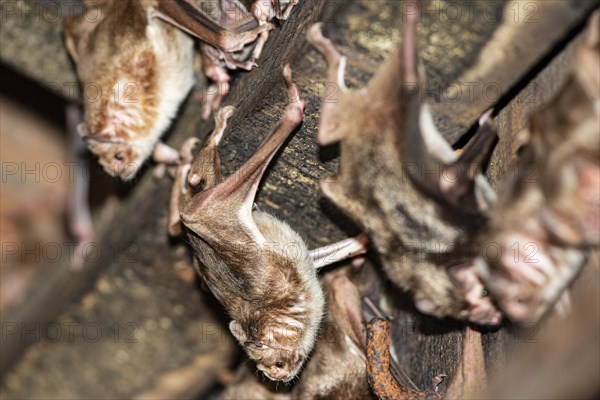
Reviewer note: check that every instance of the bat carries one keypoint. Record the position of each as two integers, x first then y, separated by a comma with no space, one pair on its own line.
337,366
419,203
135,71
548,215
232,35
256,266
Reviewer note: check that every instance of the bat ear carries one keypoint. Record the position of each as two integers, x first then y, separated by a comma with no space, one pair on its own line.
74,28
78,27
237,331
458,180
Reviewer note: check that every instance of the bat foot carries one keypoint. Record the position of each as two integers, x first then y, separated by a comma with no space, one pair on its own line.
436,381
212,98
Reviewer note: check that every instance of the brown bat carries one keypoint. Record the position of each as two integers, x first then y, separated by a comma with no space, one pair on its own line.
336,369
419,203
135,71
255,265
549,211
233,34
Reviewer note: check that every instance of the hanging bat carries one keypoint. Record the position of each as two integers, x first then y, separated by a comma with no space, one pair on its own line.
419,203
255,265
135,72
232,35
336,368
549,211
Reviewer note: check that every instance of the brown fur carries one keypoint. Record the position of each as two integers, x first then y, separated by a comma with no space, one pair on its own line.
420,223
134,73
256,266
549,208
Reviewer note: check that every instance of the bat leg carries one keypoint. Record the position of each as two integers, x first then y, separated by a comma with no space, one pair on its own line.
179,187
459,176
339,251
238,191
285,14
205,167
258,48
346,306
335,61
80,218
214,69
331,125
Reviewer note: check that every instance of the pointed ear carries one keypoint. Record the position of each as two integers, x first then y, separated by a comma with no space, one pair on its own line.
457,180
71,38
238,332
78,28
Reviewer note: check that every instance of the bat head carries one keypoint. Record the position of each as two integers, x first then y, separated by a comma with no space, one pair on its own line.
528,274
271,351
118,157
123,67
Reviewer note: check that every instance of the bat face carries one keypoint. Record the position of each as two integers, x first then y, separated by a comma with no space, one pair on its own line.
525,286
134,73
402,182
117,159
275,362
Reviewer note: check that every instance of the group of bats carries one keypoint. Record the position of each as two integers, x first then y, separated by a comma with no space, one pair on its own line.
422,226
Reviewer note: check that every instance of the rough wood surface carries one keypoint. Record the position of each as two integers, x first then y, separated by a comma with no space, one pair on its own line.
483,50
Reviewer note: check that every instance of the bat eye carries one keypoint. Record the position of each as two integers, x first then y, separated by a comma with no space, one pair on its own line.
279,364
484,293
119,156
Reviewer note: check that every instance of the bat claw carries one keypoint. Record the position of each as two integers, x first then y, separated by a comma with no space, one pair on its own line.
436,381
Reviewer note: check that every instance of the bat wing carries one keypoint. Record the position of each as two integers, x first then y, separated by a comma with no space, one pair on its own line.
222,215
225,24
